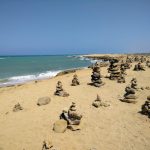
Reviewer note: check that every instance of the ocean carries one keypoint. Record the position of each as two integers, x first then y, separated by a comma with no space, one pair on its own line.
20,69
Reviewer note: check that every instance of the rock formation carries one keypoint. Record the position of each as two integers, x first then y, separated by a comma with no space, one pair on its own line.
139,67
98,102
146,107
129,96
114,69
96,76
17,107
75,80
60,91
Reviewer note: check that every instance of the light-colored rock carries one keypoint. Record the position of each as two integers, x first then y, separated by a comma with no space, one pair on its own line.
43,101
60,126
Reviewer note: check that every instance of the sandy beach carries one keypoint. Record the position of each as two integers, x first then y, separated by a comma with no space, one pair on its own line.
118,127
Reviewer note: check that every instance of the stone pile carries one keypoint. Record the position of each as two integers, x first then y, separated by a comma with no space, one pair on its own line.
146,107
17,107
129,96
96,76
123,69
60,91
114,69
47,145
134,83
121,79
148,63
98,102
72,117
75,80
139,67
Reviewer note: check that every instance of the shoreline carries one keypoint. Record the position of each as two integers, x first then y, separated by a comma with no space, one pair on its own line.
61,73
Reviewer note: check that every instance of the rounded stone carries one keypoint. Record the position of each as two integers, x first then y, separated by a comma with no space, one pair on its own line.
43,101
60,126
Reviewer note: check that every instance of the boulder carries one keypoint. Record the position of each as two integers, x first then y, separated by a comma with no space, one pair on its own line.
43,101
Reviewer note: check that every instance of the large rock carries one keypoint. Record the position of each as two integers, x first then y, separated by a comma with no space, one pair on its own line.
43,101
60,126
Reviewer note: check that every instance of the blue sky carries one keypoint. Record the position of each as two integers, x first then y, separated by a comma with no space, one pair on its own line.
74,26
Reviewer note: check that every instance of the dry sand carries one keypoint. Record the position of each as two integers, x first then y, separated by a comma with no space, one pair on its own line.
118,127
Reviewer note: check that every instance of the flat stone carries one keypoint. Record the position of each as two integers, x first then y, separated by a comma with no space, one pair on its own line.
60,126
129,100
43,101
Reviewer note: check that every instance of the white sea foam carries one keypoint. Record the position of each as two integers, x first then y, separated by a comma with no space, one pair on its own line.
22,79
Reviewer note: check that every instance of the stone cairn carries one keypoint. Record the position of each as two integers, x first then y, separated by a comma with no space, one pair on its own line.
129,96
60,91
98,102
134,83
47,145
72,117
75,80
96,76
17,107
148,63
114,69
121,78
145,109
139,67
123,69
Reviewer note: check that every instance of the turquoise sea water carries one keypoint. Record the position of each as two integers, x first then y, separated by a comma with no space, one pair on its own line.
18,69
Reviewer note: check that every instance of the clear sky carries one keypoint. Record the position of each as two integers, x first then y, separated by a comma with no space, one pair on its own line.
74,26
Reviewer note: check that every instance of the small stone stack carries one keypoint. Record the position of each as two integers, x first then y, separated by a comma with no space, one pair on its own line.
123,69
148,63
129,96
134,83
98,102
114,69
96,76
60,91
75,80
139,67
121,79
146,107
17,107
72,117
47,145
